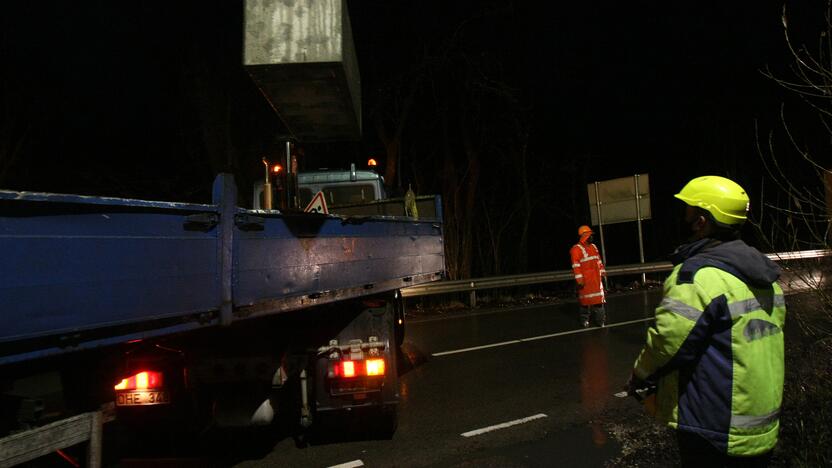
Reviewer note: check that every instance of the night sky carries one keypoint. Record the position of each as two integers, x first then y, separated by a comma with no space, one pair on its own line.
149,100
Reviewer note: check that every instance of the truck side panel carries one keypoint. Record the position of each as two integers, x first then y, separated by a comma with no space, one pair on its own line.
312,254
67,268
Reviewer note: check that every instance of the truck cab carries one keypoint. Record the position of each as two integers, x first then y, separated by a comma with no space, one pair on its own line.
341,187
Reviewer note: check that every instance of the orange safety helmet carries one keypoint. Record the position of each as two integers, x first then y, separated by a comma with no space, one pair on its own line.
584,230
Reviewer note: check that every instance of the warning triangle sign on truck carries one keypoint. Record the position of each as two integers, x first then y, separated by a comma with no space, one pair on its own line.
317,205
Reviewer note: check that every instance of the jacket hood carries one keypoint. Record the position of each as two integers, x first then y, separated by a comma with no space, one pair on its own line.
748,263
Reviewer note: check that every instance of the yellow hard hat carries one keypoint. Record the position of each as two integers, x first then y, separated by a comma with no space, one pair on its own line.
584,229
723,198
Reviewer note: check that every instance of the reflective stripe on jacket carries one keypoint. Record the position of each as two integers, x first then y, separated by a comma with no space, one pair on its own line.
588,269
716,351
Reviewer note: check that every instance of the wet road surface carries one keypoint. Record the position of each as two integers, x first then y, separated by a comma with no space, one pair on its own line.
510,387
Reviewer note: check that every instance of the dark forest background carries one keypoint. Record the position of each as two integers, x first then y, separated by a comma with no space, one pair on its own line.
507,108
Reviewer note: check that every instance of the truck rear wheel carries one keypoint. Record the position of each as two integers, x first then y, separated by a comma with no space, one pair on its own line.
386,423
398,320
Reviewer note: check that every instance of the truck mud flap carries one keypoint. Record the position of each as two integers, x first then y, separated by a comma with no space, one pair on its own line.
376,323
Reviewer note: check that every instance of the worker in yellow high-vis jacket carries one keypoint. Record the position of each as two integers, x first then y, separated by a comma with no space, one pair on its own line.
716,350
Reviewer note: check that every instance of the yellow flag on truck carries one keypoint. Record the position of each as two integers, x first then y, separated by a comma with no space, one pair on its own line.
410,208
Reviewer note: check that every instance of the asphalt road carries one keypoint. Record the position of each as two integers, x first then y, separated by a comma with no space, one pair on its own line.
511,387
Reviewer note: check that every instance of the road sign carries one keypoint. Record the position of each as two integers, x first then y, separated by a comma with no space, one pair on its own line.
317,205
617,198
618,201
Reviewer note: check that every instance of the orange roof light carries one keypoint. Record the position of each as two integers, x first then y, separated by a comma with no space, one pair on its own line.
276,168
372,162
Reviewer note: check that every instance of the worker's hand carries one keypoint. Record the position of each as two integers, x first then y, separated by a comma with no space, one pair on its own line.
579,285
640,388
634,383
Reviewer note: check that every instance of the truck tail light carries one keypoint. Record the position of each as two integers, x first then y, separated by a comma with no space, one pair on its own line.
144,380
356,378
349,369
375,367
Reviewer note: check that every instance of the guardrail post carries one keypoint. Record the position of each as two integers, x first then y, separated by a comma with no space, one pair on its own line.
86,428
472,296
640,236
94,446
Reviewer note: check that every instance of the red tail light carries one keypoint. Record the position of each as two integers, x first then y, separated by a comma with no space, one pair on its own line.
349,369
144,380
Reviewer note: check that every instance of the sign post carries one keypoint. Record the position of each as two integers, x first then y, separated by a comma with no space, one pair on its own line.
638,219
601,230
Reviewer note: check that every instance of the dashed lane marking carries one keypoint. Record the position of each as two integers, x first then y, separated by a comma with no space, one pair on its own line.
504,425
349,464
535,338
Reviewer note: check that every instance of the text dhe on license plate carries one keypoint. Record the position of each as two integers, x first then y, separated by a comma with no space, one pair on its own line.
142,398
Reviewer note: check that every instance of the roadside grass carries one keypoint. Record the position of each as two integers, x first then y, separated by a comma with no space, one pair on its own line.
806,419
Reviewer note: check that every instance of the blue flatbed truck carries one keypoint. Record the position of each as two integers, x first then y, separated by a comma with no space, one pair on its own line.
213,314
202,313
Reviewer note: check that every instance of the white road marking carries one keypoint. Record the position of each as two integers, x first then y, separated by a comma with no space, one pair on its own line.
492,345
351,464
535,338
504,425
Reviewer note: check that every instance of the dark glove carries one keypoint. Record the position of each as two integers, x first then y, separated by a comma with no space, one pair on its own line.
579,285
639,388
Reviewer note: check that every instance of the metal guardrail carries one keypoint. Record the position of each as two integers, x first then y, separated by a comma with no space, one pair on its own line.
29,445
472,285
800,254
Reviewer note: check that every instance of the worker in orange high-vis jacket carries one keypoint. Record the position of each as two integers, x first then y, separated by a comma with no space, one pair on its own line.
588,270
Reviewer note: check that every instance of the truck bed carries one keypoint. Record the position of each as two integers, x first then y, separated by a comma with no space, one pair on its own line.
428,207
81,272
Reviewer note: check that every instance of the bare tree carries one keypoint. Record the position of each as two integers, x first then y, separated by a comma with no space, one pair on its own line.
462,140
14,133
452,124
506,203
391,117
796,215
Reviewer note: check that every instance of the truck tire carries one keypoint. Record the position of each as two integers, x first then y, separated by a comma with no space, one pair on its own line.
398,321
386,423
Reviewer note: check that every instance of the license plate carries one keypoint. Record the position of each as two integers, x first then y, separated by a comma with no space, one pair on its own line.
142,398
358,388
